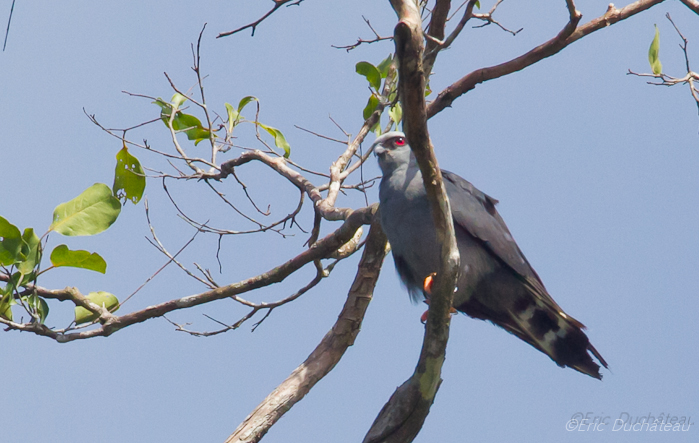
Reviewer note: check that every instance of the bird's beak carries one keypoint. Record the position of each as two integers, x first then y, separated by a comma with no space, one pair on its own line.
379,150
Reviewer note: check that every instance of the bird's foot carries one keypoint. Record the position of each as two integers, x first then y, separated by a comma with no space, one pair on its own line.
428,283
427,287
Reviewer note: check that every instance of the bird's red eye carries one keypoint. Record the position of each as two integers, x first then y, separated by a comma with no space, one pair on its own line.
400,141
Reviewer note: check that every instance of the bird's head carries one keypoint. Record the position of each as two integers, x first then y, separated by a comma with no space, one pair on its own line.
393,151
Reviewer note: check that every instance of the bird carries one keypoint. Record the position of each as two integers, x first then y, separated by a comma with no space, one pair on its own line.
496,282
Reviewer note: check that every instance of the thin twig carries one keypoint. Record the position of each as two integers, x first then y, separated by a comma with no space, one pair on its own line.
196,55
489,20
277,4
9,20
568,35
667,80
342,142
360,41
173,258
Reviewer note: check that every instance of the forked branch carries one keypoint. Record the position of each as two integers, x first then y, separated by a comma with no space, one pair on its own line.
690,79
110,323
569,34
326,355
277,4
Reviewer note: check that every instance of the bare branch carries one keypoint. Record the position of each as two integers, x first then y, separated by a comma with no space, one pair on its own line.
203,227
279,164
489,20
277,4
402,417
692,4
667,80
342,142
330,350
360,41
245,190
172,258
434,43
111,323
320,274
145,145
196,55
569,34
338,170
438,21
9,20
325,207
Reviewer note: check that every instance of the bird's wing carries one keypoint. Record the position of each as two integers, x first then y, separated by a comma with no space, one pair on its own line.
475,212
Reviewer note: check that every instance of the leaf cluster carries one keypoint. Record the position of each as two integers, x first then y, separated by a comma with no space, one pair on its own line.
375,75
192,127
90,213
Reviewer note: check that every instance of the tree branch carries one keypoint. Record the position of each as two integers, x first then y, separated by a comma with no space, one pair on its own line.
692,4
668,80
277,4
435,32
436,44
569,34
330,350
402,417
489,20
361,41
112,323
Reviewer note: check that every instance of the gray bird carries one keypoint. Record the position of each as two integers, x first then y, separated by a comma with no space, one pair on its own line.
496,281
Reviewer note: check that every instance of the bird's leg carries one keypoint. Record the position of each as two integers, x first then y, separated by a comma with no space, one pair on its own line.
427,288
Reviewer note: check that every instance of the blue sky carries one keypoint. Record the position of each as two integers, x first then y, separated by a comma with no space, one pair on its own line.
596,173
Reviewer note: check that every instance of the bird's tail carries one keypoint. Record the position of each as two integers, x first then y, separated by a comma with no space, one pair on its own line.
546,327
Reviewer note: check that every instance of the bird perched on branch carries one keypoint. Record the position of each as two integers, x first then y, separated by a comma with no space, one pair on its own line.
496,282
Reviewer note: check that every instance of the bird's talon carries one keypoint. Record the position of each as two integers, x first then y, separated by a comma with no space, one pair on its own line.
423,317
428,283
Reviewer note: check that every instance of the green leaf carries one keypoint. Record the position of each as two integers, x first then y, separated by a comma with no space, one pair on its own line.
244,101
477,5
15,281
376,129
396,113
279,139
198,137
62,256
165,107
385,65
27,278
129,178
370,106
657,67
6,302
182,122
37,305
653,51
90,213
185,121
371,73
191,126
178,99
10,243
233,116
101,298
31,249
